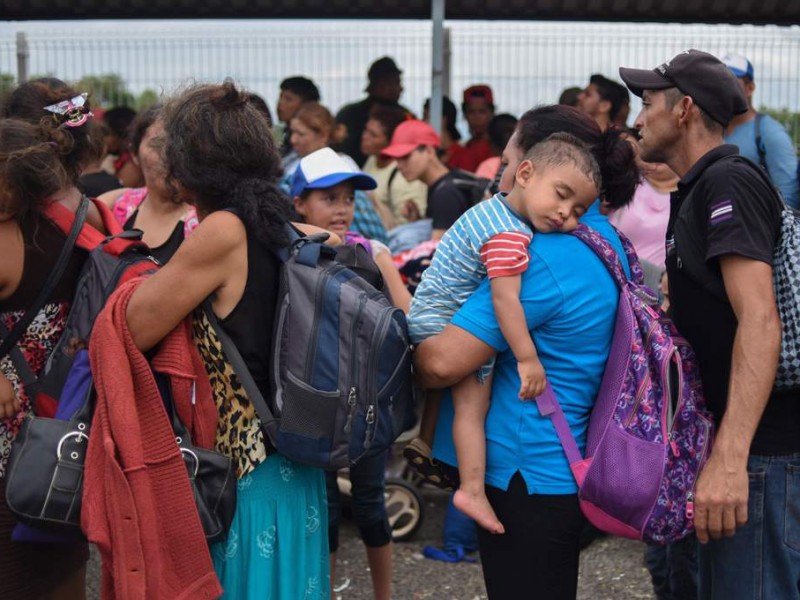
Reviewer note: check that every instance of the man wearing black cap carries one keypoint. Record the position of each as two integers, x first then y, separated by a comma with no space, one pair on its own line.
724,224
385,87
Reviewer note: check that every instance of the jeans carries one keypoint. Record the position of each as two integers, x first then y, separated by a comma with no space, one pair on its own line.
673,569
762,561
406,236
368,478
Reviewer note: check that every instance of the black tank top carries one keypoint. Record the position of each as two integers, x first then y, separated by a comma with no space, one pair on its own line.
43,243
250,324
166,250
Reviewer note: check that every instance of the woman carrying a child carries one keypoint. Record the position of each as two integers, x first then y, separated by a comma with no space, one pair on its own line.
553,315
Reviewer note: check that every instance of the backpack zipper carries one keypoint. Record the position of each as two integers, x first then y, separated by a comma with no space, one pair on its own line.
395,373
675,357
639,394
352,396
351,403
353,374
690,494
378,339
372,428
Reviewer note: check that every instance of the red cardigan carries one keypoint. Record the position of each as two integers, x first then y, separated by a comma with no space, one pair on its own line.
138,505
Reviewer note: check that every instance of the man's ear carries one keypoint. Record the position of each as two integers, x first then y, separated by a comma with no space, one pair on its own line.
684,108
525,172
605,106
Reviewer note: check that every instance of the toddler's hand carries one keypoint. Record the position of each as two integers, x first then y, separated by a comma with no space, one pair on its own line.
533,378
9,403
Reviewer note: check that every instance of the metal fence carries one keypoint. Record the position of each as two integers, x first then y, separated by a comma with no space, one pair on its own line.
525,63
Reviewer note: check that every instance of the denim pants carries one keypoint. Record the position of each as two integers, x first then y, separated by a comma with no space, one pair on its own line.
762,561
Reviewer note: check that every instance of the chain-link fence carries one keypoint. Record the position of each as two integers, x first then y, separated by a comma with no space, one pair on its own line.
525,63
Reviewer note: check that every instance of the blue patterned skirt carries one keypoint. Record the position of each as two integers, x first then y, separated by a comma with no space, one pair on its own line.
277,547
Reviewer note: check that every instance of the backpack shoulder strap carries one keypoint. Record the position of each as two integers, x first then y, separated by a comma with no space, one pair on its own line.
115,242
606,252
306,248
392,176
265,414
760,148
20,364
548,406
78,220
686,241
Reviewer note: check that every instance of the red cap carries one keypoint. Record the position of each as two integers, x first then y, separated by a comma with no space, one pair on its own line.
408,136
479,91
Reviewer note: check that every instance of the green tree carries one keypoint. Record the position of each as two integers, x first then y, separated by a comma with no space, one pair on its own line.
7,83
789,119
146,99
106,90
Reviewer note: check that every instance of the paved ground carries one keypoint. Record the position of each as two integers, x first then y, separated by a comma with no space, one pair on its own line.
611,568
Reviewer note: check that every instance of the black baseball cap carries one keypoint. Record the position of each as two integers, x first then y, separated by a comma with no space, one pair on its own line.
697,74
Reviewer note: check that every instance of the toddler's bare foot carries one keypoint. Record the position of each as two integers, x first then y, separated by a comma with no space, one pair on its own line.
477,507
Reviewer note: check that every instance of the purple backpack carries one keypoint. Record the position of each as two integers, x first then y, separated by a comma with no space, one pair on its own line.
649,433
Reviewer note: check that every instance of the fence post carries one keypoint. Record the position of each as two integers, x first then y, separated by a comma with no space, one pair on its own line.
448,57
23,55
437,68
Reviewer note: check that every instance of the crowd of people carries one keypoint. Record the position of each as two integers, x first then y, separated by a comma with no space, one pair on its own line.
471,242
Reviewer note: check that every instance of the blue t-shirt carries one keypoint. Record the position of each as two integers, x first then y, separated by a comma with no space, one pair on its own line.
570,303
780,154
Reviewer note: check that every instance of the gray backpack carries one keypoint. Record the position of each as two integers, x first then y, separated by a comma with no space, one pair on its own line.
341,362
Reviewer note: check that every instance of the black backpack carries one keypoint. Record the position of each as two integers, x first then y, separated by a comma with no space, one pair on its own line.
473,188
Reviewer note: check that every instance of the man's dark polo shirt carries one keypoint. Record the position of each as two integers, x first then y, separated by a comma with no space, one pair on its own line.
731,211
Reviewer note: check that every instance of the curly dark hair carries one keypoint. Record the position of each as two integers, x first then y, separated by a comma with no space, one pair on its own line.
613,152
27,102
31,170
219,148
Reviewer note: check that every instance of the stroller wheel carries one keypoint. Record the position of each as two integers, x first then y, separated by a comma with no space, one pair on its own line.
405,509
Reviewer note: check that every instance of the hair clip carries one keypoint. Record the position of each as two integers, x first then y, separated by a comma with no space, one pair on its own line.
74,111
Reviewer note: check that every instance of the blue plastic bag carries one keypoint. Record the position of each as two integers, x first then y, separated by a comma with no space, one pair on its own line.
459,537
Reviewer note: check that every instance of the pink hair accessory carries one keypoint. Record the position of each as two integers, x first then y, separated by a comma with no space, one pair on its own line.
74,111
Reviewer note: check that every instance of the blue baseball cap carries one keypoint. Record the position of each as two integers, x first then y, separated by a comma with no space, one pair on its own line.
738,65
323,169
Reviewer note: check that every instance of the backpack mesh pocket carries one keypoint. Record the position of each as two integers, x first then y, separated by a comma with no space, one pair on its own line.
308,412
625,476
